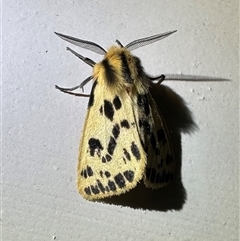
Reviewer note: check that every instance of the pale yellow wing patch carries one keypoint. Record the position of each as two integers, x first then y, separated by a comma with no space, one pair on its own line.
111,157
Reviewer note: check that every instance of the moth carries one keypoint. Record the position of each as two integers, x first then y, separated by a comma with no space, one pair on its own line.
124,139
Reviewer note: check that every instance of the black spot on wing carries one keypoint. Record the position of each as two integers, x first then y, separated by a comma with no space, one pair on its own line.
91,98
87,190
95,146
143,103
119,179
107,174
103,159
117,103
95,189
84,173
126,73
112,185
145,125
135,151
110,72
125,124
111,145
101,110
89,171
108,109
126,153
129,175
106,158
100,185
116,131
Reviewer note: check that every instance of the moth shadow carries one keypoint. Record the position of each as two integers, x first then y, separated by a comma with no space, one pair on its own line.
178,119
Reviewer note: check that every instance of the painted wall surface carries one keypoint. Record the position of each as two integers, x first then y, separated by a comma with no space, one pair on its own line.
41,126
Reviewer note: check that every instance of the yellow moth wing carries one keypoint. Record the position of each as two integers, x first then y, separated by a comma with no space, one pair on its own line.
111,157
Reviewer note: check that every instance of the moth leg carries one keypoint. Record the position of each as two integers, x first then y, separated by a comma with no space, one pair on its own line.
159,78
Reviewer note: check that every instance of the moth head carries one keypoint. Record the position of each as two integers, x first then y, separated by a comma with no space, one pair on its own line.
119,68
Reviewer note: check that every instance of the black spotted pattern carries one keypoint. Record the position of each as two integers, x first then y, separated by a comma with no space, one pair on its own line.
100,185
111,145
145,125
101,110
112,185
108,110
126,153
95,146
117,103
119,179
84,173
143,103
106,158
129,175
116,131
87,190
135,151
125,124
103,159
89,171
95,189
107,174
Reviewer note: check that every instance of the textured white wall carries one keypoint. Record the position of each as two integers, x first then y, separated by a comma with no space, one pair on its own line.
41,126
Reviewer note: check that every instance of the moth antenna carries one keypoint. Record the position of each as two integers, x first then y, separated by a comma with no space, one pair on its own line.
119,43
67,90
84,59
82,43
148,40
